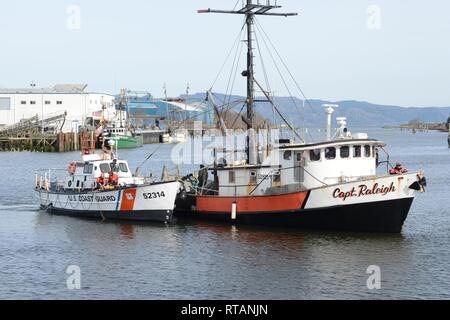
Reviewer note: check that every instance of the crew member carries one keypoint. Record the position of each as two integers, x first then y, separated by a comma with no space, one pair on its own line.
113,178
398,169
202,176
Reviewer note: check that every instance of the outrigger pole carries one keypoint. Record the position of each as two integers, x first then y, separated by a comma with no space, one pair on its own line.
250,11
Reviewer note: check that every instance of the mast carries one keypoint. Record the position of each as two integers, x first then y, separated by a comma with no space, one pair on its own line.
249,73
250,10
167,105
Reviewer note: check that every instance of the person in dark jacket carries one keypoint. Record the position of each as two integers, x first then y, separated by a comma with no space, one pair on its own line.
202,176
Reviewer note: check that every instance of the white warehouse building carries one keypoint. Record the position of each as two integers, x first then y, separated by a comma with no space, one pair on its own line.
18,104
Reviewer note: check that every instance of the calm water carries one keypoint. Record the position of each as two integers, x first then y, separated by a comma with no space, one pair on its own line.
195,260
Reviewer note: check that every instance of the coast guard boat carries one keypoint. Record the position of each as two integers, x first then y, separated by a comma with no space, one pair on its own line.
329,184
103,186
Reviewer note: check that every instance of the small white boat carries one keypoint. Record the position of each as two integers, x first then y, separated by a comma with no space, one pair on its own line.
102,186
177,137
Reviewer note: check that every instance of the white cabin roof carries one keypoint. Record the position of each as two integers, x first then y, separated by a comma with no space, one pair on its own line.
335,143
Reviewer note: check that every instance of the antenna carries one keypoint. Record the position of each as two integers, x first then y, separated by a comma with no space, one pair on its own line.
185,104
250,10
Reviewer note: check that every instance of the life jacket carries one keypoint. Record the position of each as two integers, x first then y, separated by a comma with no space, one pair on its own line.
113,178
101,180
72,168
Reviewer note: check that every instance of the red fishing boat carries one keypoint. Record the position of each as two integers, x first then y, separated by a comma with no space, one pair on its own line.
336,183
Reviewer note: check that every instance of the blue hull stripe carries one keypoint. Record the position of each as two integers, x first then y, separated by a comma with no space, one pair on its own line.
118,200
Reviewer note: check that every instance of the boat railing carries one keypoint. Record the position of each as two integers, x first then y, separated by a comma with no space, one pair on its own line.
389,166
49,179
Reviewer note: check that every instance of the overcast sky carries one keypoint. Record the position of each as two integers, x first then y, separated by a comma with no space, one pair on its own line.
385,51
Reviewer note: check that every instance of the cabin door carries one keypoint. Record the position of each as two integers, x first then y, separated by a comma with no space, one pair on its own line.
299,167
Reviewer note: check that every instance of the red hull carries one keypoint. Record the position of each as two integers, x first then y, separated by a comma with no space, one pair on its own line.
253,204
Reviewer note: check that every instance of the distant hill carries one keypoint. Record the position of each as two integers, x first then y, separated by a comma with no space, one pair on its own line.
358,113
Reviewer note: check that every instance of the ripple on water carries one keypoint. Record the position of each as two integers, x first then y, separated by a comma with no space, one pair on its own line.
196,260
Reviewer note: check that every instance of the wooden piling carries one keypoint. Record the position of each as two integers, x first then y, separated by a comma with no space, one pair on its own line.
61,142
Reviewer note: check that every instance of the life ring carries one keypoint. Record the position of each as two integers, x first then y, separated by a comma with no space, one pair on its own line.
72,168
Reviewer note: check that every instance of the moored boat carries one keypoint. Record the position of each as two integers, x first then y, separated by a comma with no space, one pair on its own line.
337,183
124,138
102,186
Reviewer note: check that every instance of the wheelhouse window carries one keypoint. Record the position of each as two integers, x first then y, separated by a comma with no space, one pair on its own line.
330,153
287,155
32,102
123,167
314,155
88,168
23,102
232,177
47,102
115,167
253,176
345,152
357,152
58,102
367,151
277,177
105,168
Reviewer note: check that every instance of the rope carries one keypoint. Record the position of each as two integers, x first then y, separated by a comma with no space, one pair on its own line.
228,55
261,29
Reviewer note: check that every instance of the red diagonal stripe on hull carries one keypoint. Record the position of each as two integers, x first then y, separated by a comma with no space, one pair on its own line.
256,204
128,198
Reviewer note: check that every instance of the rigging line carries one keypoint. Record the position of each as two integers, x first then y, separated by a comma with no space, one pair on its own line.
237,39
279,113
266,78
302,117
282,78
229,107
234,8
237,116
286,67
235,74
279,71
233,68
262,63
142,163
236,102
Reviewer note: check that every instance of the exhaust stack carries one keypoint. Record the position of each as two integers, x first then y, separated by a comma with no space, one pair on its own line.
329,110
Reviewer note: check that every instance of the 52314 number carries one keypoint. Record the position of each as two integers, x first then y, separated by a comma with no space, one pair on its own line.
154,195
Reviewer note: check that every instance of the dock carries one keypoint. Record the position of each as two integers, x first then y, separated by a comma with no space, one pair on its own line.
33,135
61,142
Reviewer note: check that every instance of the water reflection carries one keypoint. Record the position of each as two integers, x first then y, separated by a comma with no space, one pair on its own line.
277,238
127,231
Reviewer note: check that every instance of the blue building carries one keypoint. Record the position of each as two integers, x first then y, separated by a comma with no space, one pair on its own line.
146,110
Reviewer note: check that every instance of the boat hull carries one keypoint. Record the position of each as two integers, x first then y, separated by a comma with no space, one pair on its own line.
127,142
145,215
153,202
386,216
375,205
